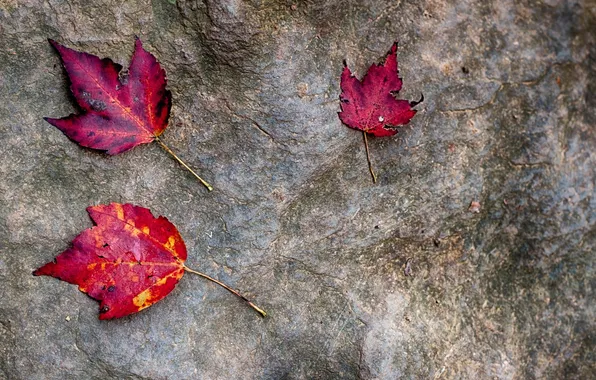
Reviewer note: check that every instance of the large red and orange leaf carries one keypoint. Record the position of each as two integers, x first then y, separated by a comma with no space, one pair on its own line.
370,105
128,261
118,112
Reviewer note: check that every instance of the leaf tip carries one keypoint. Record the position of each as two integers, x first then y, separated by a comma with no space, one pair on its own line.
51,121
415,103
55,44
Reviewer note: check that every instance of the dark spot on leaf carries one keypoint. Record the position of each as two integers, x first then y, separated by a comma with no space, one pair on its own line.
104,309
105,245
111,288
97,105
103,287
161,106
108,63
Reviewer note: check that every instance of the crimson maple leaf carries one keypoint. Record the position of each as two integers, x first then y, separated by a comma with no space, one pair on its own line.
370,104
117,114
128,261
119,111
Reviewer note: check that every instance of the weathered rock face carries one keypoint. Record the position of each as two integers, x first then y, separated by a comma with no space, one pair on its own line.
397,279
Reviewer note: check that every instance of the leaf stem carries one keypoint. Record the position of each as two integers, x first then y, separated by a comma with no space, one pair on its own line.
259,310
165,147
370,168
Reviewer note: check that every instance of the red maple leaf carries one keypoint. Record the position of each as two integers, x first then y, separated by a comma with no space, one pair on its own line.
118,114
128,261
370,104
119,111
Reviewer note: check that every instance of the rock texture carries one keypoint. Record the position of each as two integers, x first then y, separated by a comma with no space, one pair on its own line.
403,279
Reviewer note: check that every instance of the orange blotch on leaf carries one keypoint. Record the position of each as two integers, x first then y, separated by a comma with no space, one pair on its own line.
171,243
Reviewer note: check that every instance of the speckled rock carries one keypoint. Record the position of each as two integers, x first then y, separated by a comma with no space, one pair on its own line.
407,278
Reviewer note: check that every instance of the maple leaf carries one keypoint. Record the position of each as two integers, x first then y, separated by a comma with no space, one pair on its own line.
128,261
119,111
370,105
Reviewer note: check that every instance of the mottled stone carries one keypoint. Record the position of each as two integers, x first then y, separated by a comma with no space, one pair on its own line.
397,279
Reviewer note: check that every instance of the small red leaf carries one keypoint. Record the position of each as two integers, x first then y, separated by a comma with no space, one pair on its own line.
128,261
370,105
118,113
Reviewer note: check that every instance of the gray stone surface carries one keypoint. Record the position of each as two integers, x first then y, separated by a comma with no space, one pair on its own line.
385,281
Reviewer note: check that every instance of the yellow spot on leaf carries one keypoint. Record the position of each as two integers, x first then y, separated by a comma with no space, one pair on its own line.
150,295
141,299
119,211
146,230
171,242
